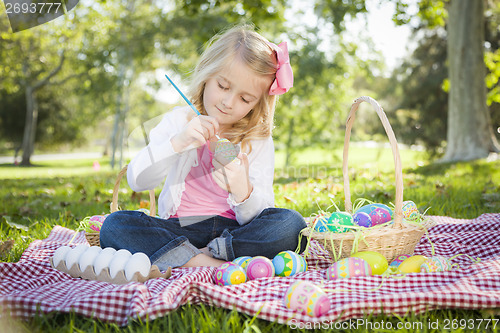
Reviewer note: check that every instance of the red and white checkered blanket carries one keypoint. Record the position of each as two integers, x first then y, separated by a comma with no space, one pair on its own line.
32,285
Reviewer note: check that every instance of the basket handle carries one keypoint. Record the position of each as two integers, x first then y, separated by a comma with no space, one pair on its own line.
398,210
114,202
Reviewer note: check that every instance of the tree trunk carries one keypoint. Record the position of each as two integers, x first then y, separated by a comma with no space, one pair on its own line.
469,135
29,126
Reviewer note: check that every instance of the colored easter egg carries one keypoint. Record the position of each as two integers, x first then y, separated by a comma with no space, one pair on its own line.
377,261
362,219
412,264
225,151
321,223
410,210
338,220
347,268
304,264
307,298
435,264
379,213
259,267
399,259
242,261
288,263
229,273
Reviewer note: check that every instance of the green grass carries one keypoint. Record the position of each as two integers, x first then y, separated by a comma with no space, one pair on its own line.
64,192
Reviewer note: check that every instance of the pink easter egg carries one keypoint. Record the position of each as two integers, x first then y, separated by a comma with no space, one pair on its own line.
259,267
307,298
380,215
229,273
347,268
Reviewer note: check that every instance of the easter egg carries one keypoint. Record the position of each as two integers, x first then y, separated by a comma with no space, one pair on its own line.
288,263
362,219
103,259
399,259
410,210
229,273
435,264
225,151
412,264
95,222
73,255
118,262
59,254
138,263
347,268
259,267
337,220
321,223
379,213
377,261
88,257
242,261
304,264
307,298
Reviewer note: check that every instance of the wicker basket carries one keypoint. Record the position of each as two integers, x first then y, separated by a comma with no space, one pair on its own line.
93,237
390,240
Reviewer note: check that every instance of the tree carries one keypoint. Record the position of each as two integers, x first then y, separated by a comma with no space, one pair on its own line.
470,134
469,131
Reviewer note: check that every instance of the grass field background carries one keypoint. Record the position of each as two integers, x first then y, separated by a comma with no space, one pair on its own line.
63,192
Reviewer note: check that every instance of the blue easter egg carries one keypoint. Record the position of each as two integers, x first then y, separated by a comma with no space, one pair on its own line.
288,263
379,213
321,223
242,261
362,219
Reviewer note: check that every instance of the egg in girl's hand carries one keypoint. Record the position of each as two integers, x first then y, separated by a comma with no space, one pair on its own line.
138,262
59,254
73,255
88,257
118,262
225,151
103,259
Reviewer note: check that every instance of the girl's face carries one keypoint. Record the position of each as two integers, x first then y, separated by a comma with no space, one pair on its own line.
231,94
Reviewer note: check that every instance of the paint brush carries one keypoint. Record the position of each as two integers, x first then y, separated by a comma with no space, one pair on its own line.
186,99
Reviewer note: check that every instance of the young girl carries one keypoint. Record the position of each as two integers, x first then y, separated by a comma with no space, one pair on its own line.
213,211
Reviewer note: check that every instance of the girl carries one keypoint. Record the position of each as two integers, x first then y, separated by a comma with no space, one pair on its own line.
213,211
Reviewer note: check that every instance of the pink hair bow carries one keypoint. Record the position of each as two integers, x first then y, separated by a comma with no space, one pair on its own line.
284,74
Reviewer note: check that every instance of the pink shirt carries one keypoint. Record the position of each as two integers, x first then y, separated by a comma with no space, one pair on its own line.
202,196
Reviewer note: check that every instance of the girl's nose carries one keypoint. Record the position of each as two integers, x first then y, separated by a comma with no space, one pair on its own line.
227,100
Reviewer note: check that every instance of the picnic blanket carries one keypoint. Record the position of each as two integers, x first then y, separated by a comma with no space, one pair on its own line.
32,285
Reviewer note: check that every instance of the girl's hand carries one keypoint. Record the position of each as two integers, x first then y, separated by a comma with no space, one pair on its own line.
195,133
233,177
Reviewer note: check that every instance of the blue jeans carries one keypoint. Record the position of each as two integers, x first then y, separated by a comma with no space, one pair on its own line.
167,243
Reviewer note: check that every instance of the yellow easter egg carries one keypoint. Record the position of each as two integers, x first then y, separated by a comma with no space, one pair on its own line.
412,264
377,261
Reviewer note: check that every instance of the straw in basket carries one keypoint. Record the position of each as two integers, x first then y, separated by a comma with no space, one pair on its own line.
93,237
390,240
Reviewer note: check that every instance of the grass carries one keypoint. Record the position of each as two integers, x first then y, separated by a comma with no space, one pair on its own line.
64,192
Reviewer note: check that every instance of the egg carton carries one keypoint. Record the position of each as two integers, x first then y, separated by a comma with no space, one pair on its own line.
89,274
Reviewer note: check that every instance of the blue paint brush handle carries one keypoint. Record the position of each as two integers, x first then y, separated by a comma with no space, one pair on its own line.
185,98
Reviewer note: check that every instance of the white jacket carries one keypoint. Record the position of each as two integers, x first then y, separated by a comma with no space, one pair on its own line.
159,160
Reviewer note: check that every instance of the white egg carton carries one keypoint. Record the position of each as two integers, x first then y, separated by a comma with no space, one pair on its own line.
120,277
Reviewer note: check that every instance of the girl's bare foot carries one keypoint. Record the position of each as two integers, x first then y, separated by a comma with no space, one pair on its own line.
202,260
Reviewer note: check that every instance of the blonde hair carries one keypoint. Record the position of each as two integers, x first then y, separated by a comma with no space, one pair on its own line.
244,44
